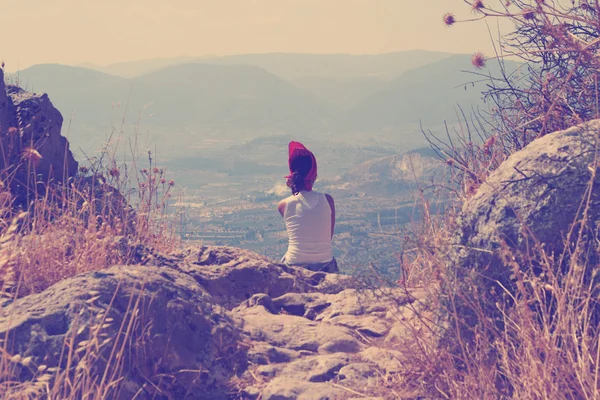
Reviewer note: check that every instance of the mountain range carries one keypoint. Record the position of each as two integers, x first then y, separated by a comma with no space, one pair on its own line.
292,66
255,95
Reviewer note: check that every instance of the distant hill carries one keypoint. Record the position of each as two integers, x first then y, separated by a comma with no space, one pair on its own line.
184,104
393,175
429,94
343,93
131,69
234,96
293,66
183,95
86,94
338,66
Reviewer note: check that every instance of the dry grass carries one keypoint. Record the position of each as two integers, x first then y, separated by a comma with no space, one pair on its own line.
92,222
544,349
547,344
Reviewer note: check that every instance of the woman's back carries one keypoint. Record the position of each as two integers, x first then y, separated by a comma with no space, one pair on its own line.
307,217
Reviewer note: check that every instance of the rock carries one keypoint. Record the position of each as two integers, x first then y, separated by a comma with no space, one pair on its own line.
321,368
30,130
366,398
367,325
535,193
388,361
232,276
397,333
300,303
351,302
176,330
296,389
343,344
8,123
359,374
296,333
264,300
251,393
262,353
209,328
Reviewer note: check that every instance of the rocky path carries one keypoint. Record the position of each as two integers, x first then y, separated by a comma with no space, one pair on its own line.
322,346
222,323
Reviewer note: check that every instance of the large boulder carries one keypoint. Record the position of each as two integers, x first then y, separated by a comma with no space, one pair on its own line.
153,327
531,202
34,153
234,275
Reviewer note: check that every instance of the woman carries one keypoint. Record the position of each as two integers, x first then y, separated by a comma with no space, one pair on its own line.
309,215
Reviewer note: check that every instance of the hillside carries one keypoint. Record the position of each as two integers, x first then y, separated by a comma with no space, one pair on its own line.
239,96
429,94
339,66
393,175
295,66
343,93
191,94
181,106
84,94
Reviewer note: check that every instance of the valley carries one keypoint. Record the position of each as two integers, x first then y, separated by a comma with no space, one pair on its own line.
220,127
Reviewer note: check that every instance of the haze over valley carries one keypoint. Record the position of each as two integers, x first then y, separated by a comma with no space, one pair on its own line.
220,125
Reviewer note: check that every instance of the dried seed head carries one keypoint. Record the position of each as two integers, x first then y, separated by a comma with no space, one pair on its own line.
449,19
477,5
529,14
171,183
478,60
31,155
114,172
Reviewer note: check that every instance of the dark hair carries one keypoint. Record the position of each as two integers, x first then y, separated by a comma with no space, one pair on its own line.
300,167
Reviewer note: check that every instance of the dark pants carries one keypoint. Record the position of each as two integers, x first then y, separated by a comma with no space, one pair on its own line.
330,266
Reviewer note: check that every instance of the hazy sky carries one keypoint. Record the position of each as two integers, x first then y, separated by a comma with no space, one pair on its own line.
108,31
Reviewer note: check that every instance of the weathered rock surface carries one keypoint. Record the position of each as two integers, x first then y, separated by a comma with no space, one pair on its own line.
177,330
220,323
535,195
29,122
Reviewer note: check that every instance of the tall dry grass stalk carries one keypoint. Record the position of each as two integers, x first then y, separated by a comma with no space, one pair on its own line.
91,222
96,220
547,344
554,87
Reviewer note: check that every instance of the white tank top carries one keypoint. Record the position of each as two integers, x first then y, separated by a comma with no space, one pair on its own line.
307,219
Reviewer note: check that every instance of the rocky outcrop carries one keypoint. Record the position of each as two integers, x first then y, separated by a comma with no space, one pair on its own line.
136,322
34,153
323,346
211,323
531,202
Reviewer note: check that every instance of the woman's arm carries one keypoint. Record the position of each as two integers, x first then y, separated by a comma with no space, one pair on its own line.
281,207
332,206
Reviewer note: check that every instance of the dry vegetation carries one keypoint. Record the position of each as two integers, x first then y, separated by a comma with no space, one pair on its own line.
541,352
544,349
96,220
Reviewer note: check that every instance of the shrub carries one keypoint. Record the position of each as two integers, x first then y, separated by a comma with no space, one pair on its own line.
547,344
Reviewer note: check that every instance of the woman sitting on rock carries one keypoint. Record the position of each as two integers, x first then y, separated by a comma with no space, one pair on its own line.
309,215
